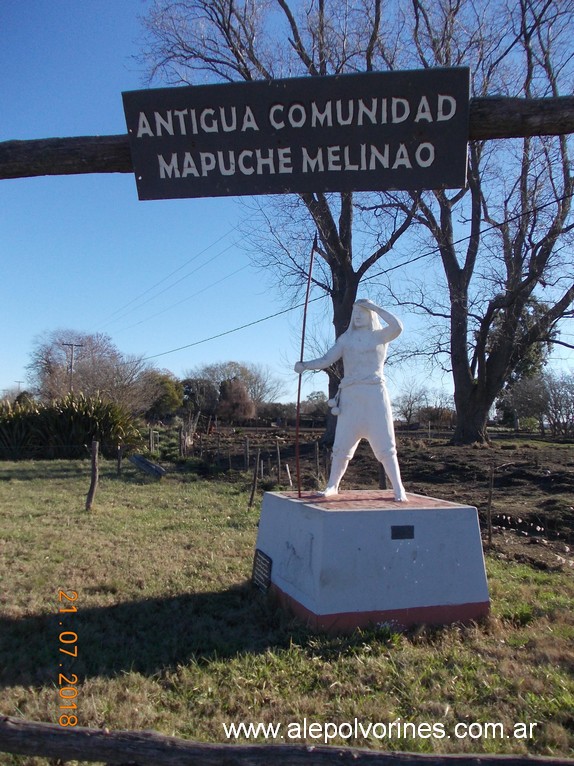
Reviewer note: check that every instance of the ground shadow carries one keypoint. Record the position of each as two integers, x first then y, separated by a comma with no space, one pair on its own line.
147,636
43,469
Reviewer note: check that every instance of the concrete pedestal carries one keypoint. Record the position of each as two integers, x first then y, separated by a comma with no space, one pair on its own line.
361,558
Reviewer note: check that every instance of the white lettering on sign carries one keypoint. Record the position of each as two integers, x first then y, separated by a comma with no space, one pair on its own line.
247,162
193,122
338,113
333,158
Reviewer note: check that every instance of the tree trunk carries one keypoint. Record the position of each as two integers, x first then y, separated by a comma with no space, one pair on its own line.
471,419
342,301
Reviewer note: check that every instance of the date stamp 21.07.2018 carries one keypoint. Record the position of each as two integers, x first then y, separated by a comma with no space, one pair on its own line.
68,647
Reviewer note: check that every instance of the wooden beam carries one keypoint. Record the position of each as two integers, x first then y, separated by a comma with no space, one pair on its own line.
498,117
147,748
492,117
65,156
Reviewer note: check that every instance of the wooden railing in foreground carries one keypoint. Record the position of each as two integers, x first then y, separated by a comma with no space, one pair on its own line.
145,748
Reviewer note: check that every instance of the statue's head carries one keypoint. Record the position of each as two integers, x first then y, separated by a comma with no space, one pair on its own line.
363,317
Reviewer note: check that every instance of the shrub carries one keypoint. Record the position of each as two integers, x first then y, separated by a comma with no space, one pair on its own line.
65,428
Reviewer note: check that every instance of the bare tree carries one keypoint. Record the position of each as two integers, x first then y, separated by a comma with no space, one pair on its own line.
259,381
495,245
193,41
503,241
408,404
66,360
559,390
234,402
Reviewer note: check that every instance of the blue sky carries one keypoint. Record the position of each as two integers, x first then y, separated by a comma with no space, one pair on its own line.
83,253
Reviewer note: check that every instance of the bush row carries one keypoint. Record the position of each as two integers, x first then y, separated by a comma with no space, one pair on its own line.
64,429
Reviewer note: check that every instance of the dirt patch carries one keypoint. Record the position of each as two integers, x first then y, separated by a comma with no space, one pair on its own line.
532,497
531,500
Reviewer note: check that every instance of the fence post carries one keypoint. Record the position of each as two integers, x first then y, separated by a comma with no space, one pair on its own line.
95,475
382,477
246,455
254,485
278,460
489,503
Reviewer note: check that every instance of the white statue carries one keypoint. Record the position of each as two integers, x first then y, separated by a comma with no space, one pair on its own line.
362,403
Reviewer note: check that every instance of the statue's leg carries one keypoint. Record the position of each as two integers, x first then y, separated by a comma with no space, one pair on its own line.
391,466
382,441
346,442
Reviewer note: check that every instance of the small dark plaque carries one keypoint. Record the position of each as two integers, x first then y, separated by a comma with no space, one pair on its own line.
403,532
261,576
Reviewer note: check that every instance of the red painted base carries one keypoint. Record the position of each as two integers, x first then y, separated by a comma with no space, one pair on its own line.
346,622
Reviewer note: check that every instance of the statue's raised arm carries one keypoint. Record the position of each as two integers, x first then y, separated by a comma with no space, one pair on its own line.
394,324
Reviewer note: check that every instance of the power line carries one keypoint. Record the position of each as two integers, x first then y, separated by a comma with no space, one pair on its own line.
374,276
176,271
169,287
188,298
235,329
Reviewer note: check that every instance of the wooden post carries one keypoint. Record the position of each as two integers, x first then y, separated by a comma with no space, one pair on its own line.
278,449
254,484
246,453
489,117
489,504
382,477
289,479
95,476
326,462
119,460
148,748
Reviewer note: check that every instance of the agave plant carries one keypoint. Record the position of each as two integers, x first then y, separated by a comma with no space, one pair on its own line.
65,428
17,428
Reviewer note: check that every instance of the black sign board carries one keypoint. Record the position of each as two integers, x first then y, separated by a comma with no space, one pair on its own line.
360,132
261,575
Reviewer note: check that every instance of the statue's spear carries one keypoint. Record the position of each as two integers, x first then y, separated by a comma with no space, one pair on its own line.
298,416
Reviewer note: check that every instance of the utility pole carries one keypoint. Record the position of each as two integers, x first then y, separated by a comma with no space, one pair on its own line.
72,346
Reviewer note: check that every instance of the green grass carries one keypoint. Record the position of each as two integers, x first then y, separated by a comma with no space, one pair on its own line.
171,636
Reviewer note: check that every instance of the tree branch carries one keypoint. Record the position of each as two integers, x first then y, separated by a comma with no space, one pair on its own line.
297,43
